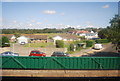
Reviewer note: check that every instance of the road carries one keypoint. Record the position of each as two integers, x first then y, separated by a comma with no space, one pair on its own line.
107,51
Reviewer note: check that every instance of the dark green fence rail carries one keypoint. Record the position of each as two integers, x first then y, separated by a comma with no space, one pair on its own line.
60,62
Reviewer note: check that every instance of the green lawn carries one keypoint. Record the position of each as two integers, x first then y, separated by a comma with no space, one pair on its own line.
40,44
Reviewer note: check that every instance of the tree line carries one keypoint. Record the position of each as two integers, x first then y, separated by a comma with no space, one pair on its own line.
32,31
46,30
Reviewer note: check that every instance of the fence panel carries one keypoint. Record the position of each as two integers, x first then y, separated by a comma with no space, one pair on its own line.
26,62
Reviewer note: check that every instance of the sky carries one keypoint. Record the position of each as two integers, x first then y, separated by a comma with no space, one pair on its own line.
39,15
59,0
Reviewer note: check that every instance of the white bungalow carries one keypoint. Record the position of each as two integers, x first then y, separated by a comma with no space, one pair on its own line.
57,38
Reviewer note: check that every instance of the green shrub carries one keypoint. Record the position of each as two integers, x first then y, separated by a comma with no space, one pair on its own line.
71,47
59,44
89,43
102,41
5,42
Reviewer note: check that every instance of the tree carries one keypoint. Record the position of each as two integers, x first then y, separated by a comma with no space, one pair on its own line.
114,29
5,42
17,35
0,42
103,33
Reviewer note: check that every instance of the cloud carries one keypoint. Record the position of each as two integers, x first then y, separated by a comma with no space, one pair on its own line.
39,23
14,21
33,21
89,26
49,12
62,14
105,6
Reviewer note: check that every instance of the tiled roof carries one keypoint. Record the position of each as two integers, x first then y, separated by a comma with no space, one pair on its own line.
68,36
32,36
7,35
82,31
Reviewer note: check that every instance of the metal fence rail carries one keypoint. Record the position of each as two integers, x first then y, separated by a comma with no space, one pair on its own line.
26,62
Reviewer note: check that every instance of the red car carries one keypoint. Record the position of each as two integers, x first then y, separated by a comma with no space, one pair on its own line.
37,53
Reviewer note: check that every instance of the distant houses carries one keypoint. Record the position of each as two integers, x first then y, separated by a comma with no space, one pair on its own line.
88,35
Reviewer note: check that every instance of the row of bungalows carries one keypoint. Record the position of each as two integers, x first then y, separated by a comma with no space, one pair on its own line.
27,38
33,38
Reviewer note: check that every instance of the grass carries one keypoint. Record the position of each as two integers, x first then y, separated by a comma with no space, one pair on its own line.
42,45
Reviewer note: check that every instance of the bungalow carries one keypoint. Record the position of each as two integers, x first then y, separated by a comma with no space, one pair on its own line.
57,38
81,33
91,35
11,37
37,38
65,38
27,38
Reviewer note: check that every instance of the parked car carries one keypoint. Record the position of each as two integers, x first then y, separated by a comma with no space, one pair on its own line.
37,53
98,46
60,54
22,43
8,53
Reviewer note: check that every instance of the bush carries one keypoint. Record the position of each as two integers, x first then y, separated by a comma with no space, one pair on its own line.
102,41
59,44
71,47
89,43
5,40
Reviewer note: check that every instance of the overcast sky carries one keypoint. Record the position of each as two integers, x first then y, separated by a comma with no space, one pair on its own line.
38,15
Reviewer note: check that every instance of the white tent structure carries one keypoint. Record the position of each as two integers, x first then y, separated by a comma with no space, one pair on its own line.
22,39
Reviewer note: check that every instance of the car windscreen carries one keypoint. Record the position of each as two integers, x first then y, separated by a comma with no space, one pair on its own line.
34,52
8,53
58,53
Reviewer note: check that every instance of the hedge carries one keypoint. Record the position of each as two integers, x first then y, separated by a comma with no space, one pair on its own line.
89,43
102,41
